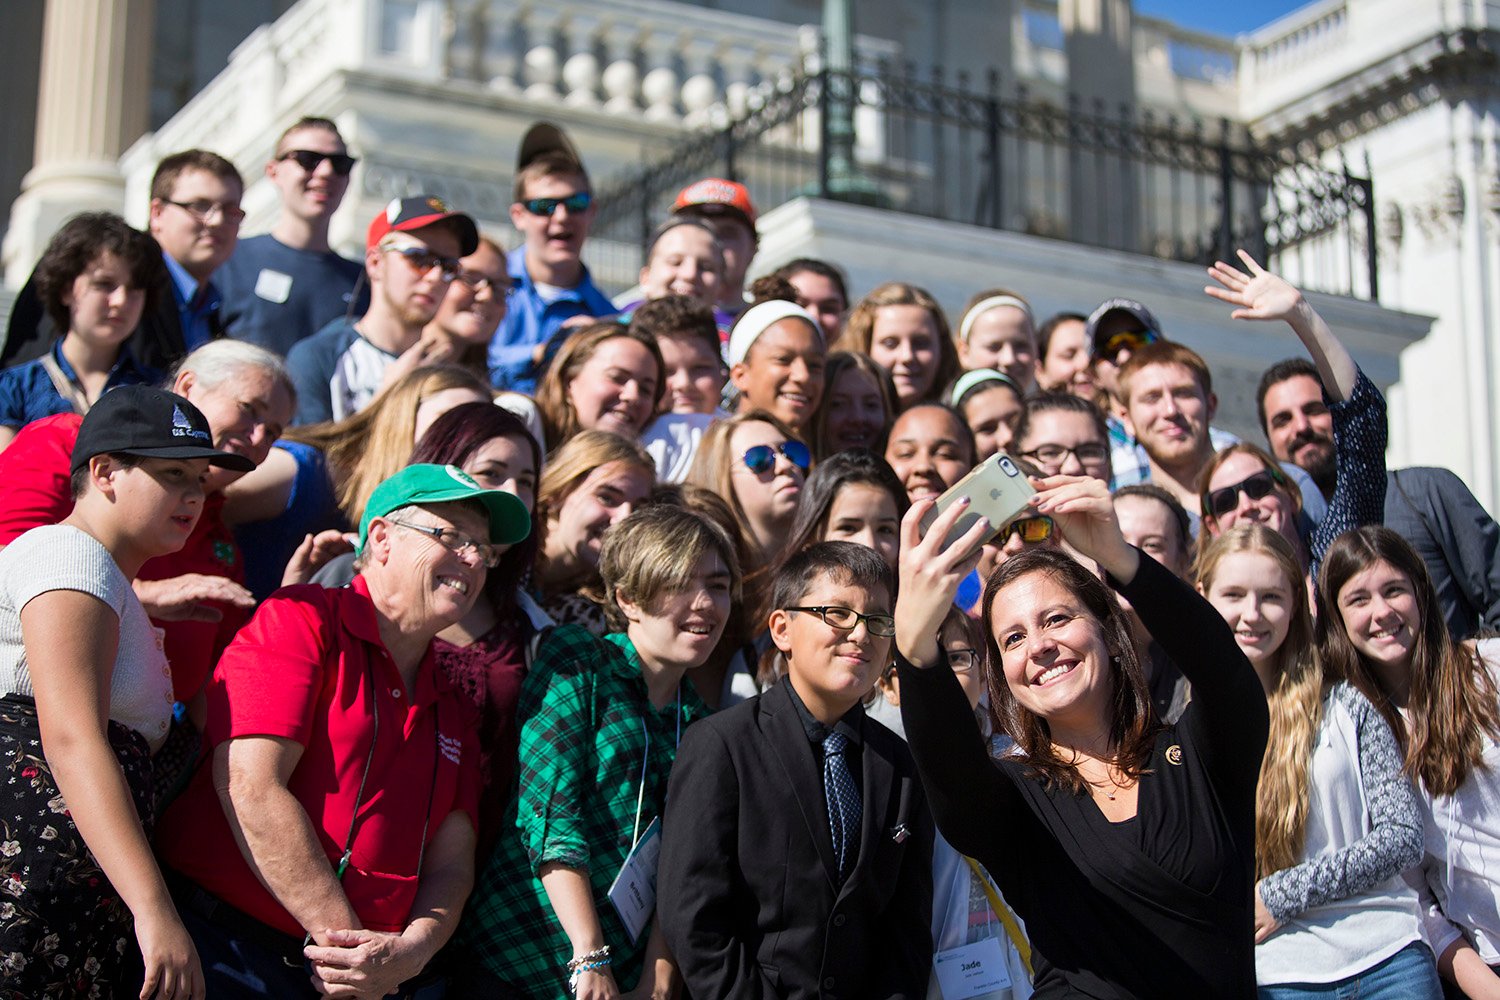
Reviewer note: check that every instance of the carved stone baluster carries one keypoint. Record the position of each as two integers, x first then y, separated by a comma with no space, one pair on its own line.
542,62
659,88
738,62
500,60
699,91
622,78
580,73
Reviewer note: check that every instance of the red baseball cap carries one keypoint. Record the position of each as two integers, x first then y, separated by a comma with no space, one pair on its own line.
716,196
405,214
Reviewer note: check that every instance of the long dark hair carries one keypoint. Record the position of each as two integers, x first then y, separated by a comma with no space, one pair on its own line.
451,440
844,468
1133,723
1451,706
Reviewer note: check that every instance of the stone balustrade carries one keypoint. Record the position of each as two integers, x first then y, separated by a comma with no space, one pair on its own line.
1298,38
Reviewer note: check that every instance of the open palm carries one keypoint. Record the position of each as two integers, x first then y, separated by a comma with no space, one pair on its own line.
1259,295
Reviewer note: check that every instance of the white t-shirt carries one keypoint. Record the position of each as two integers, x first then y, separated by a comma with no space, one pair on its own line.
61,557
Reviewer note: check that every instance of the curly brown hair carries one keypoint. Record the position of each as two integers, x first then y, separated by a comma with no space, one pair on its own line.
79,243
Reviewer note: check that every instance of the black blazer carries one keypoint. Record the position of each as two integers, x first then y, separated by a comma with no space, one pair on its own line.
746,890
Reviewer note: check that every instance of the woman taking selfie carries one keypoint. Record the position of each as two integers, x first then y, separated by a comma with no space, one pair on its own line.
1127,846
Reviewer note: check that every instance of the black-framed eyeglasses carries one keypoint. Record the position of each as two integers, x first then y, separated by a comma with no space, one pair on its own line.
1088,453
423,260
1033,529
544,207
962,658
762,457
309,160
204,210
1256,487
479,282
457,542
846,619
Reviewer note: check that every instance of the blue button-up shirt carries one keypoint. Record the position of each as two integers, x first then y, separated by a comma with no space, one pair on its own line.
531,320
194,304
27,392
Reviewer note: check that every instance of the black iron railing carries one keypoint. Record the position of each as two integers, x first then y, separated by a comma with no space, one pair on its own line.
1117,178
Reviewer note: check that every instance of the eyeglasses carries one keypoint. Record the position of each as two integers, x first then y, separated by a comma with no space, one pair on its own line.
1133,339
309,160
1088,453
423,260
456,542
846,619
962,659
544,207
204,210
762,457
1032,530
479,282
1256,487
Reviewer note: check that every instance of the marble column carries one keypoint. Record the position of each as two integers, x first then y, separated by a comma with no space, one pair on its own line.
93,102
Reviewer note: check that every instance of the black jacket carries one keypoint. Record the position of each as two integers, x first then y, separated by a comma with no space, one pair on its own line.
746,892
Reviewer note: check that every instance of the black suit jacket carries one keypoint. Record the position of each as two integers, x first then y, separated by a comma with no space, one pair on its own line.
1434,510
746,888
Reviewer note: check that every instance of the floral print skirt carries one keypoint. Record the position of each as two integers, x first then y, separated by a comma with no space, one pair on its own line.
64,932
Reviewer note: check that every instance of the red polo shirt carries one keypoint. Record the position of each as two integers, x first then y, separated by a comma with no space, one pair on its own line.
36,489
308,668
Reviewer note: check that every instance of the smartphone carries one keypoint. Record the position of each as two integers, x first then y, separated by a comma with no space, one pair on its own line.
996,489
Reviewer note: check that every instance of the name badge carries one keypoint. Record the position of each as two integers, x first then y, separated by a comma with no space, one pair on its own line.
972,970
634,890
273,286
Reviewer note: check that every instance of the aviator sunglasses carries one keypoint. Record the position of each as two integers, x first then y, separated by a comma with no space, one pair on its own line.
762,457
308,160
544,207
1256,487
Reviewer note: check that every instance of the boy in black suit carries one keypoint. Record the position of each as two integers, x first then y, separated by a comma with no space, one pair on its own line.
797,848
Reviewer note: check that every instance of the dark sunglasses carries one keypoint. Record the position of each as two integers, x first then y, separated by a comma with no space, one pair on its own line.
479,282
1031,529
1133,339
308,160
1256,487
423,260
762,458
544,207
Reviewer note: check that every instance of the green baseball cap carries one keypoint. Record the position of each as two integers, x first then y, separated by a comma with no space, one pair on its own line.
510,522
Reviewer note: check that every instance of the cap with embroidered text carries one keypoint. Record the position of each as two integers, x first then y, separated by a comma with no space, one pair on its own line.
152,423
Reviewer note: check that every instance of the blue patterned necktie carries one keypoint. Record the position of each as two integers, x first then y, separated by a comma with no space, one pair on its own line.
843,802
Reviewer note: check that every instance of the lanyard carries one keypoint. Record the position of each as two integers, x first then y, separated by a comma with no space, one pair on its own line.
640,796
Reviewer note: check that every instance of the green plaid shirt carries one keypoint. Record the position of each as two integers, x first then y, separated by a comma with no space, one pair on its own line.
583,715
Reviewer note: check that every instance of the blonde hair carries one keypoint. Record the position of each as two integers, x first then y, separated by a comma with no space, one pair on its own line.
366,448
859,331
1295,702
713,466
570,465
653,553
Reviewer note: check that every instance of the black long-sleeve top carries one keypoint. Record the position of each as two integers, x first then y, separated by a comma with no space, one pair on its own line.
1157,906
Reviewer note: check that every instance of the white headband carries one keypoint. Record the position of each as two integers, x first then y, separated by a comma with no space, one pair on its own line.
971,380
758,319
985,305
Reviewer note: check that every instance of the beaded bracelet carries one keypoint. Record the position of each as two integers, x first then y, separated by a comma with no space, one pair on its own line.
601,952
575,974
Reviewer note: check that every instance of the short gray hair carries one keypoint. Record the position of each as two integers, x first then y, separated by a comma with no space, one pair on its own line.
218,361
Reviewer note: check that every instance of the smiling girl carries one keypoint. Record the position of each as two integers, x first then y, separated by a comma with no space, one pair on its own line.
903,329
607,377
1336,820
1381,626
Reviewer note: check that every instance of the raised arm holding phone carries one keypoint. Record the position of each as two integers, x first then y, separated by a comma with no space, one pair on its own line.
1127,845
